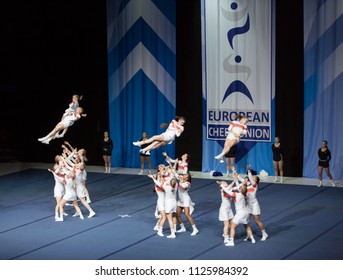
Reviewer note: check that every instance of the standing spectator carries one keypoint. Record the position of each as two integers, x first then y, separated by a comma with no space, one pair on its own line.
107,147
324,155
277,159
144,157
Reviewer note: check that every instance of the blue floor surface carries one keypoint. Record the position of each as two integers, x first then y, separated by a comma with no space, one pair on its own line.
303,222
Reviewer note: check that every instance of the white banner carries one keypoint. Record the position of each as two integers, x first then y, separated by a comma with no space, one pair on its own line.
238,67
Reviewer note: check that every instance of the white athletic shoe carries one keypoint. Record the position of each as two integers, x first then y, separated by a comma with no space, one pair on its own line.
195,232
91,214
60,219
81,216
46,141
246,238
230,242
220,156
136,144
156,228
252,240
76,214
41,139
160,233
172,235
141,172
333,183
59,135
320,184
221,161
264,236
275,179
65,214
183,229
88,200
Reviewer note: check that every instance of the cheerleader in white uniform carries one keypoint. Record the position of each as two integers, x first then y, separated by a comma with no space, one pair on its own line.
175,128
64,123
253,204
160,199
225,210
75,156
169,185
80,191
73,105
69,195
242,212
236,130
180,165
59,186
184,202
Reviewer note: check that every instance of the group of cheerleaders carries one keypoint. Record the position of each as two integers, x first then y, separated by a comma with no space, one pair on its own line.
172,182
69,170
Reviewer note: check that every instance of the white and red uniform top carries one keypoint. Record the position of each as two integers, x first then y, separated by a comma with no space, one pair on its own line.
70,119
72,108
251,197
174,129
184,199
170,192
225,210
182,167
79,176
236,128
242,213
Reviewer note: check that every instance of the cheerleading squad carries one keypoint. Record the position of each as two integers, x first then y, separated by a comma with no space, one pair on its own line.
172,182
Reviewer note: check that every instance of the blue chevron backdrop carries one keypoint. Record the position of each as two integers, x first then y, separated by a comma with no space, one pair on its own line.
238,77
141,74
323,75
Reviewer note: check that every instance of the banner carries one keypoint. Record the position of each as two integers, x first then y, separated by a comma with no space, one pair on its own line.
323,84
238,57
141,75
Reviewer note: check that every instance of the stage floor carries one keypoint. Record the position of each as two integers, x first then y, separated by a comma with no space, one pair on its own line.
303,222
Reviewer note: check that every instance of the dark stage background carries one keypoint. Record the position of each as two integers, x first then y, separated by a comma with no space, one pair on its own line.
51,50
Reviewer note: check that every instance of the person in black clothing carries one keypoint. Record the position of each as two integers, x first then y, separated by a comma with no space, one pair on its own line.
144,157
107,147
230,160
324,155
277,159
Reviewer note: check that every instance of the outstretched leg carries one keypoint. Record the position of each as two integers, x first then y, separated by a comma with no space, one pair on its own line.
150,140
227,146
52,134
152,146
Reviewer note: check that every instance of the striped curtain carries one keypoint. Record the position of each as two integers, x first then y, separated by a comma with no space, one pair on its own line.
141,74
323,83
